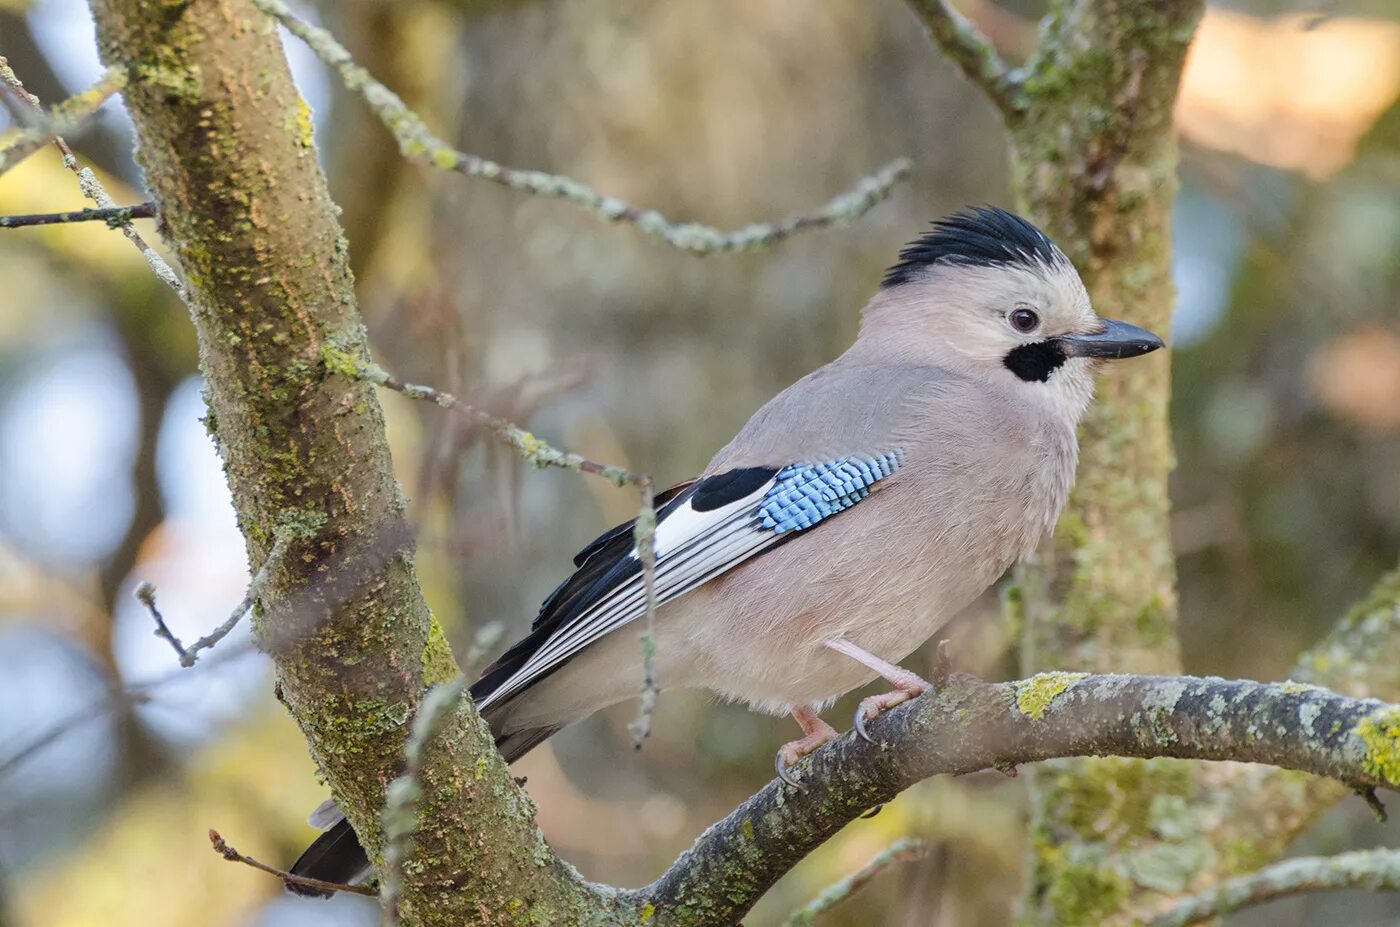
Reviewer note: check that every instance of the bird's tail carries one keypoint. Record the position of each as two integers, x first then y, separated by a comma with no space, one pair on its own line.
336,855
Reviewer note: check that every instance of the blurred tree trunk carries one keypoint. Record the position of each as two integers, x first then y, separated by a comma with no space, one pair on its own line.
1094,162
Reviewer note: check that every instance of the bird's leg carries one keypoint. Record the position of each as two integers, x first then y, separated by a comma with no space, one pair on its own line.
817,733
907,685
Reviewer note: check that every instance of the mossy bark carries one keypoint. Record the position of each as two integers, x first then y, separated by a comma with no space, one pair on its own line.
226,145
1094,162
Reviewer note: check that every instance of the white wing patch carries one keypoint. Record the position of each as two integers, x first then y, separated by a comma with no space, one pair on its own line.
691,547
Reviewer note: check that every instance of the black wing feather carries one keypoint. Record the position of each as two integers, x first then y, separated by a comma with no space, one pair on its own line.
605,564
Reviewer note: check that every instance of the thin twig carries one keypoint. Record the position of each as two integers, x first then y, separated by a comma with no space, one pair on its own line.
402,796
113,216
233,856
92,188
644,532
146,595
901,851
64,117
418,143
536,452
541,454
1378,870
973,54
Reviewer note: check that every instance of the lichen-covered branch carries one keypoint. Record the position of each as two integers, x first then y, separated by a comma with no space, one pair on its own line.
114,216
1377,870
972,52
229,157
533,450
62,118
404,793
1093,156
969,725
418,143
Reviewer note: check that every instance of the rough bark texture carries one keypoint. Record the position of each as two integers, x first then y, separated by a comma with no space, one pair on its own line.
967,725
227,147
1094,162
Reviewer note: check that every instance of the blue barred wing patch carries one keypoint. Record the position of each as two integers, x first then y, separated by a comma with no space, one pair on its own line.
804,494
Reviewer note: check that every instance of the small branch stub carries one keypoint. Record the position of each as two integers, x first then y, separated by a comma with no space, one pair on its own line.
233,856
146,595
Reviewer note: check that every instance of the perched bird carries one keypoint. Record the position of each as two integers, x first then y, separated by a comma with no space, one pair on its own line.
854,515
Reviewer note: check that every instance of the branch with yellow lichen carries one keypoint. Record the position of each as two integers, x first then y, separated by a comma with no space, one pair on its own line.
418,143
969,725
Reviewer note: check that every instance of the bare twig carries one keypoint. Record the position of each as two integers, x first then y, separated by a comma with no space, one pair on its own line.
418,143
973,54
541,454
92,188
233,856
402,796
536,452
644,532
113,216
1378,870
146,595
901,851
64,117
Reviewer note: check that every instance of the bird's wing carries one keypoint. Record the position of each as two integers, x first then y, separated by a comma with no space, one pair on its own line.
707,528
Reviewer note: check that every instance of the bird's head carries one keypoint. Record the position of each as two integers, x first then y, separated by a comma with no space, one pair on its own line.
988,293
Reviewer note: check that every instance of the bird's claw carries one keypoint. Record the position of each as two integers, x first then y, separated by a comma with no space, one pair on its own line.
872,707
859,725
780,764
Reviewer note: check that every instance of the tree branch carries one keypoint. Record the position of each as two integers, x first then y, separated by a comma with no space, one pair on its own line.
92,188
229,853
418,143
62,118
114,216
227,150
146,595
402,797
1378,870
970,725
973,54
901,851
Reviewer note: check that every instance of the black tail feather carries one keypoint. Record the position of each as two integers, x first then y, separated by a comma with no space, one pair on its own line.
336,855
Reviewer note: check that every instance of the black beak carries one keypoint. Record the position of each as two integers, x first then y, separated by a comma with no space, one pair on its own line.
1117,341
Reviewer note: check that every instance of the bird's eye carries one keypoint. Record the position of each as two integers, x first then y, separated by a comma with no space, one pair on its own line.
1024,320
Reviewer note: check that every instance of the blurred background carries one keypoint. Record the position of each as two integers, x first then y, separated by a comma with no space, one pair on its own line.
114,762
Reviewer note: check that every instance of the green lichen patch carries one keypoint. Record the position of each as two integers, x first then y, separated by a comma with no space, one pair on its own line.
1035,695
438,663
1380,734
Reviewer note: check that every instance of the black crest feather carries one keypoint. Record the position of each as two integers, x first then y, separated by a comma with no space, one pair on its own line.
980,236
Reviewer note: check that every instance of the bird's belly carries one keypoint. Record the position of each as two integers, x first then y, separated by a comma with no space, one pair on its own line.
763,637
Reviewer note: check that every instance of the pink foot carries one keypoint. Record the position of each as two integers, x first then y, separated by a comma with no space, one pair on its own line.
817,732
